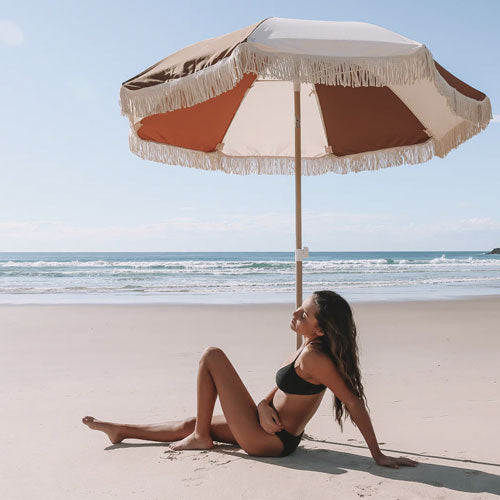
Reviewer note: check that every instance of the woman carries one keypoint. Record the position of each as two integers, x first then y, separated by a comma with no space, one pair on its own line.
327,359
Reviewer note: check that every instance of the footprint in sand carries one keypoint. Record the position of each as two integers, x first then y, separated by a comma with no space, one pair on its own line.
192,481
365,491
171,455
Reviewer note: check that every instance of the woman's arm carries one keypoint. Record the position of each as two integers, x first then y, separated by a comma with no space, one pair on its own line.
361,418
323,370
269,397
268,416
357,409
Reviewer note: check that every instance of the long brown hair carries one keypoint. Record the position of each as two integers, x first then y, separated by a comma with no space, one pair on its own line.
339,342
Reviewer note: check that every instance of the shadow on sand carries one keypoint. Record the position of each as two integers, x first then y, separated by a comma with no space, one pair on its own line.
340,462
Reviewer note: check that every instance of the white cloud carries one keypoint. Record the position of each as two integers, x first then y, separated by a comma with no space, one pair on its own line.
28,226
272,231
458,226
276,222
265,223
268,231
476,224
496,119
345,221
10,32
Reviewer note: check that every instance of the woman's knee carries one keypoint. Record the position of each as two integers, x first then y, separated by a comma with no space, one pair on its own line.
211,353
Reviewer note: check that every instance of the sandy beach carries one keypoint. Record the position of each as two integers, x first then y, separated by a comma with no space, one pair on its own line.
430,371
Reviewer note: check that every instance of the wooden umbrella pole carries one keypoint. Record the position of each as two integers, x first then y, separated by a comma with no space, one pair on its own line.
298,204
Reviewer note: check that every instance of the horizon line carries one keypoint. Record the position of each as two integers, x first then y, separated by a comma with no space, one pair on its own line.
236,251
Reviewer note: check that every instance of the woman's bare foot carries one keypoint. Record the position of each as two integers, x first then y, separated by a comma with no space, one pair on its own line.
193,442
112,430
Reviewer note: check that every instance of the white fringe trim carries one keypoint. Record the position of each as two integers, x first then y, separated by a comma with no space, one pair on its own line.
353,72
183,92
477,112
456,136
224,75
356,72
269,165
245,165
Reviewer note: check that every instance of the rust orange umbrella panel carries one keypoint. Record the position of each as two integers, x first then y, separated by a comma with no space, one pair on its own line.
369,97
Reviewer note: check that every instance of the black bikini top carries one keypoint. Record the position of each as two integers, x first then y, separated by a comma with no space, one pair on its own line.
289,382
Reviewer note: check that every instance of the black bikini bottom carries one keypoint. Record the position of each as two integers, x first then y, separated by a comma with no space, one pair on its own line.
289,441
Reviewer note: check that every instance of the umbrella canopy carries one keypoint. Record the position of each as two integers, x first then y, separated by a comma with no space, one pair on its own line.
287,96
370,98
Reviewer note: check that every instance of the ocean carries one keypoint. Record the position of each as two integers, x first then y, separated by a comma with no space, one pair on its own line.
242,277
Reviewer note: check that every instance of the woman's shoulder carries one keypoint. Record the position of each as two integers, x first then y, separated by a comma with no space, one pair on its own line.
321,366
317,363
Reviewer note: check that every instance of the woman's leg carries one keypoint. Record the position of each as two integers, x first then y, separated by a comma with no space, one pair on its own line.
217,376
164,432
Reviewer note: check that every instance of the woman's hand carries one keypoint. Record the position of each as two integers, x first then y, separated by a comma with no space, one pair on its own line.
269,418
393,461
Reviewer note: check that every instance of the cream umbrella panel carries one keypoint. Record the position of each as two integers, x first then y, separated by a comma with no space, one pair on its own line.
290,96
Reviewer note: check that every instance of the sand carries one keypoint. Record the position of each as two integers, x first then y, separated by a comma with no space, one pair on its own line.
430,370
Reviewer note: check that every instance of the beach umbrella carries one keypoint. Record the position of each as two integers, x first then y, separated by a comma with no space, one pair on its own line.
298,97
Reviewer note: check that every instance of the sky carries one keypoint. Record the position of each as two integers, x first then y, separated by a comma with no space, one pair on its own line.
68,181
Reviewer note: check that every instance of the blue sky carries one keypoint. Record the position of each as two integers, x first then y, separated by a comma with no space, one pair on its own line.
69,182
